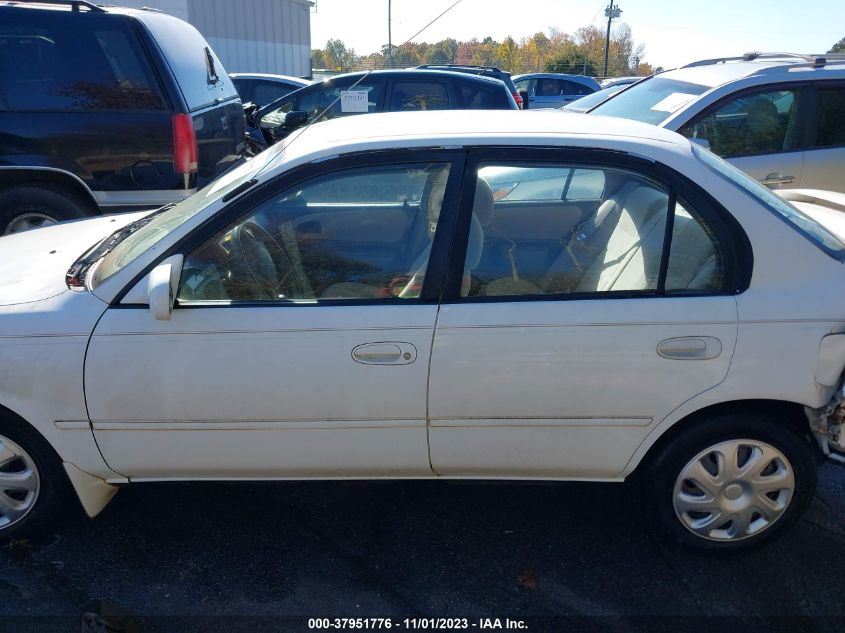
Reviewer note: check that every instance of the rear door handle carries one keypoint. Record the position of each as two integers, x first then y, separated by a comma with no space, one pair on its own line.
690,348
385,353
777,179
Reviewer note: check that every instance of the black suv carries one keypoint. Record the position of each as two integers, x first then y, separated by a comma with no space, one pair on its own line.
485,71
378,91
107,109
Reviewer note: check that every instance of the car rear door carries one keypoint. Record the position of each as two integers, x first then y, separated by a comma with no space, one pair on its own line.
301,335
824,152
558,349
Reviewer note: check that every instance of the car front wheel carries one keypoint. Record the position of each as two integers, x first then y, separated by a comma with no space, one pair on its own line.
732,481
33,484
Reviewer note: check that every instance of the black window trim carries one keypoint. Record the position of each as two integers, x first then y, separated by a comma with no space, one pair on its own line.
803,122
735,246
240,206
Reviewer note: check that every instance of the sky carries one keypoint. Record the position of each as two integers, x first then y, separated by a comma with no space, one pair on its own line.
674,31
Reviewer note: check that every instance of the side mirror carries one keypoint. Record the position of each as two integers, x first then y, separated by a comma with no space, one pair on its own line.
162,287
295,119
703,142
524,95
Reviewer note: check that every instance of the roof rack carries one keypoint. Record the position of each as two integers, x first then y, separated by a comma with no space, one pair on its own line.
74,4
430,66
815,61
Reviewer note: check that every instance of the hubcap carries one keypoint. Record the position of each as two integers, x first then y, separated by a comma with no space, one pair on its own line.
733,490
19,483
29,221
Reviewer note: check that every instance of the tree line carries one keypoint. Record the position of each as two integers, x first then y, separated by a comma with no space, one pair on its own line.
579,53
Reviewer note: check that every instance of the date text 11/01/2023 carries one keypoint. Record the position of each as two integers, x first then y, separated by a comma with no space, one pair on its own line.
417,624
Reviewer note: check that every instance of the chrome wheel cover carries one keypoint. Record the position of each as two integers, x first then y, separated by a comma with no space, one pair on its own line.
733,490
19,483
29,221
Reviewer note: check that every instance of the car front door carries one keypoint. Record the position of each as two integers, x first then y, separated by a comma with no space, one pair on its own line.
559,346
548,93
759,132
300,337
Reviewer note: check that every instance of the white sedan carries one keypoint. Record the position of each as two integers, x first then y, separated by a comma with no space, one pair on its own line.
466,295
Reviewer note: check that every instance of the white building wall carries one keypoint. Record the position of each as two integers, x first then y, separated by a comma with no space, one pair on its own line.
258,36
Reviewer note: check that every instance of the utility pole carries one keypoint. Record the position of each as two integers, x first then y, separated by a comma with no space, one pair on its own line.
389,34
611,12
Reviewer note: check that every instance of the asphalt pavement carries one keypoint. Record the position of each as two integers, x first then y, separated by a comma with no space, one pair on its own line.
255,557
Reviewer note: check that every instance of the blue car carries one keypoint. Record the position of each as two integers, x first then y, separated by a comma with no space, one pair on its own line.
554,90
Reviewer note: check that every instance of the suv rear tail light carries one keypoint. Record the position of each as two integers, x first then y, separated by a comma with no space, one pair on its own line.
184,145
518,98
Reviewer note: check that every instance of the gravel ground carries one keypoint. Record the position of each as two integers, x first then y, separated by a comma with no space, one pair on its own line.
171,557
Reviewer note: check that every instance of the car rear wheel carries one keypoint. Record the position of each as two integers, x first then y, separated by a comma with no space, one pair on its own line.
32,206
732,481
33,484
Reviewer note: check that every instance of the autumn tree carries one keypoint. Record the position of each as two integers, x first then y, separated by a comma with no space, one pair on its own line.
338,56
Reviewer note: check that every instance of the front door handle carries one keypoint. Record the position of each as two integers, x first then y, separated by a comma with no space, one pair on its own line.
777,179
385,353
690,348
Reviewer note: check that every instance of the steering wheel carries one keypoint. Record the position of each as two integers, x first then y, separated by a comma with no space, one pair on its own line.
268,264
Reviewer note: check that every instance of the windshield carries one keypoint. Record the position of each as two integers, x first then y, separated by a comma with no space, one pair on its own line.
651,101
801,222
166,222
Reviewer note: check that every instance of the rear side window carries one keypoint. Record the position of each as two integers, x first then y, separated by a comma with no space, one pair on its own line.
68,61
831,117
481,97
574,88
419,95
199,73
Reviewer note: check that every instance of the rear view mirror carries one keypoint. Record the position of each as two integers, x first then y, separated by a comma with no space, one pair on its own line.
162,287
295,119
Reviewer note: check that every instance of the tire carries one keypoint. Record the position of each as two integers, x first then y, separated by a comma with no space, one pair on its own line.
32,205
25,454
698,507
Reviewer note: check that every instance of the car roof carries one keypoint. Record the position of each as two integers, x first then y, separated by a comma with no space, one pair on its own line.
415,72
446,128
583,79
713,73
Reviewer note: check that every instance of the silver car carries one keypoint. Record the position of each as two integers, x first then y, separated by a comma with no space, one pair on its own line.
778,117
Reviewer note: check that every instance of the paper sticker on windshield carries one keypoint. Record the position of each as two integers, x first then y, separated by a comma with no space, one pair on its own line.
673,102
353,101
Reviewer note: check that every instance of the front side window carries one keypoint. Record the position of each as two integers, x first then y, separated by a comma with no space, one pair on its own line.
550,88
758,123
651,101
613,242
362,234
330,98
830,130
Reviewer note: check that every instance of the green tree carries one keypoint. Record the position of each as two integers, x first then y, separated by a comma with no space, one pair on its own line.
572,61
339,57
839,47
